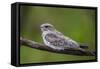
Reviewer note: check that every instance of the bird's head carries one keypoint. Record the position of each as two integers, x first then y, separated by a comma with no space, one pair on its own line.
47,27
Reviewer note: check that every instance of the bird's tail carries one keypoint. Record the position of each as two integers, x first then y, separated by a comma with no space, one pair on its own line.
84,46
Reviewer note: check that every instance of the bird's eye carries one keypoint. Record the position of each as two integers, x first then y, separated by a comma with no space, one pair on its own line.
46,26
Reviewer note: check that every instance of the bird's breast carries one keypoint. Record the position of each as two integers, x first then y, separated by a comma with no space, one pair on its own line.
43,36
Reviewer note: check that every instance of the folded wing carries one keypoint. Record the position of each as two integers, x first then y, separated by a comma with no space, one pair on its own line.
59,41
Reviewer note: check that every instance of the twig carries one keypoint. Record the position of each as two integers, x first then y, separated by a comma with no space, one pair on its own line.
35,45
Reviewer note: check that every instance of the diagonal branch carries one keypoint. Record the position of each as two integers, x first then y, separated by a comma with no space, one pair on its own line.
35,45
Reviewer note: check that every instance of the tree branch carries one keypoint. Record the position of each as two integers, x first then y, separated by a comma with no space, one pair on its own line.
35,45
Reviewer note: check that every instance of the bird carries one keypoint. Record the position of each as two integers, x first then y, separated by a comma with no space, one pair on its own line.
57,40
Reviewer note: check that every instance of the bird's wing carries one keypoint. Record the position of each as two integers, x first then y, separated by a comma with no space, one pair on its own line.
57,40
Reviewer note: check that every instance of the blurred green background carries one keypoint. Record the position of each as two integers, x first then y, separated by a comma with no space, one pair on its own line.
78,24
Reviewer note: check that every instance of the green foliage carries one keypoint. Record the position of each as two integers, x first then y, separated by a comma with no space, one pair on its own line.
78,24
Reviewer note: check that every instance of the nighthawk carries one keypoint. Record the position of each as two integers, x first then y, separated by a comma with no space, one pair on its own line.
56,39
